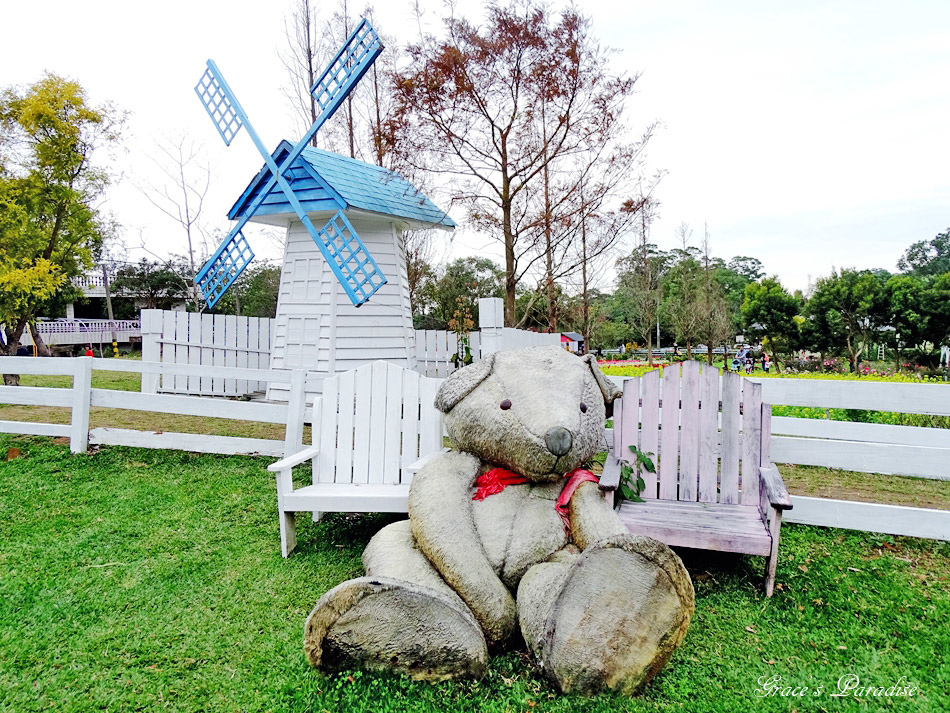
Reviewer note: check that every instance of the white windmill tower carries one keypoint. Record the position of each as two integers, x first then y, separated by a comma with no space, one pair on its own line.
325,319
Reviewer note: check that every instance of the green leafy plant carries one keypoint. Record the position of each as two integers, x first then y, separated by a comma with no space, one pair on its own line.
631,483
461,325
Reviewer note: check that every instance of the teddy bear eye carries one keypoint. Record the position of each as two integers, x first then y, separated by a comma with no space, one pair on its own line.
583,407
505,405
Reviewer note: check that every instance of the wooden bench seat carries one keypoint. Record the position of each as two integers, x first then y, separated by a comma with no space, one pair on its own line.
710,526
708,435
349,497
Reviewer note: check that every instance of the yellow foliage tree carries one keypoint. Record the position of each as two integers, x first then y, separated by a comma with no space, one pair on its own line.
50,226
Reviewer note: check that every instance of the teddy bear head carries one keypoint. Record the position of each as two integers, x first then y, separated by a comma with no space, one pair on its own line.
539,411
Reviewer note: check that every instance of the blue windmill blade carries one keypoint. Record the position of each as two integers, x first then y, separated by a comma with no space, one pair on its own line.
220,104
354,267
345,70
225,266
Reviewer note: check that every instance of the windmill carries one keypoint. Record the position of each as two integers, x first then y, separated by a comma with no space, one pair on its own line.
339,243
327,273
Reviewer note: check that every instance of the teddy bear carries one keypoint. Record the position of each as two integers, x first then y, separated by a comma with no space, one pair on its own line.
510,539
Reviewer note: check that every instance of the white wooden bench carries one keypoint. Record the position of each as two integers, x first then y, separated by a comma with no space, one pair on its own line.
698,496
373,427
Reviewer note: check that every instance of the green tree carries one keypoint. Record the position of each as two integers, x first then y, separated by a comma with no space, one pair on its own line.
254,293
853,303
639,280
770,312
465,277
936,301
154,284
714,321
682,286
906,319
50,225
749,268
927,257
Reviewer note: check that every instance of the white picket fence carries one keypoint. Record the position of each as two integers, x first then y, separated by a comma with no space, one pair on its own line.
82,396
173,337
436,350
875,448
215,340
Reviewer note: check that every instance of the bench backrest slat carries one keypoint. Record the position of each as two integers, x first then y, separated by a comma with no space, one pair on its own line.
689,434
729,437
325,461
751,441
342,460
709,436
649,428
629,413
669,433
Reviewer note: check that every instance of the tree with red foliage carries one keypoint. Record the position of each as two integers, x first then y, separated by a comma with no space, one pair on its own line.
522,112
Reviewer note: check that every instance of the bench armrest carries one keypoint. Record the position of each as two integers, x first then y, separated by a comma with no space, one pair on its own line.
295,459
416,466
610,478
775,488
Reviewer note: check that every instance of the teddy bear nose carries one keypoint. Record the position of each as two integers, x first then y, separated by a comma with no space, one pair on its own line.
559,440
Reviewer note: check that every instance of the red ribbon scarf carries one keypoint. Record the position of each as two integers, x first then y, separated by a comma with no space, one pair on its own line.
495,480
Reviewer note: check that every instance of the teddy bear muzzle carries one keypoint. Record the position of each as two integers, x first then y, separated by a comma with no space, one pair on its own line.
559,440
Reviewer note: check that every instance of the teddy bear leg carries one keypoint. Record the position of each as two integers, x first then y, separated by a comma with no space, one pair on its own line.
401,617
607,618
611,616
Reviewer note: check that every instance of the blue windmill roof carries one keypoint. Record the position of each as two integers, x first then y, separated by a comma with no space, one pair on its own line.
323,180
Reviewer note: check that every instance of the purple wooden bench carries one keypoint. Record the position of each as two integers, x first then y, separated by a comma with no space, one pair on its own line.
699,496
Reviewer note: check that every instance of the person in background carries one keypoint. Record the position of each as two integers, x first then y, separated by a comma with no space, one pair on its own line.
89,351
766,362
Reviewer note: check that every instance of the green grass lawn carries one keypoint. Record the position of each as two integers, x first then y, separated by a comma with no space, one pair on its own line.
152,580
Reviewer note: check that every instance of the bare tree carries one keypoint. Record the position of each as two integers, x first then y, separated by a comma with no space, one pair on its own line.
472,106
182,195
301,58
683,291
714,321
639,279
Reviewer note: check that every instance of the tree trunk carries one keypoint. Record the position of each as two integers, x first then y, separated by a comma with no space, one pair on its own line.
510,279
41,348
13,343
548,251
585,296
650,347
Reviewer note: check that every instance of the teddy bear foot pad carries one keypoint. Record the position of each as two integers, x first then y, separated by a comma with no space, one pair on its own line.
386,624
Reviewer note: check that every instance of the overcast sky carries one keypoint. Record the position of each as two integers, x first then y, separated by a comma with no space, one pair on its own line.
807,134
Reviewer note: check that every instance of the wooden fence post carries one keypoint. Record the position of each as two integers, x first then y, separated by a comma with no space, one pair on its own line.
296,405
150,321
82,392
491,321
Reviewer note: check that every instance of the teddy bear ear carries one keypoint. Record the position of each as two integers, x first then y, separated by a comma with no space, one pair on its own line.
461,383
608,388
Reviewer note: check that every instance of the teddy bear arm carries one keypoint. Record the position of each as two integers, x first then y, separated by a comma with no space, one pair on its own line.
593,517
443,525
